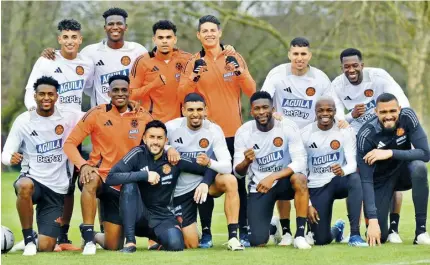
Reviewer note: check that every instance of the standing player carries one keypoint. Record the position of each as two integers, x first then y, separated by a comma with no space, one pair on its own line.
271,154
332,175
113,56
44,180
391,150
105,124
74,72
154,78
195,137
219,79
146,197
295,87
357,89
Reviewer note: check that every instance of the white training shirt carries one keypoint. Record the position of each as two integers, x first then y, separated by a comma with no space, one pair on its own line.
208,139
279,148
296,96
326,148
41,140
376,81
109,62
72,75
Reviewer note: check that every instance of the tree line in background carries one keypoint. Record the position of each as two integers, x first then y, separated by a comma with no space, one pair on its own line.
391,35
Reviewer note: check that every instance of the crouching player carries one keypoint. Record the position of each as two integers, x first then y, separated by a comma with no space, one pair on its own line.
272,155
332,175
45,172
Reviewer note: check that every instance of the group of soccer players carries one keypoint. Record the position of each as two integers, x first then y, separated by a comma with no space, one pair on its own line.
151,172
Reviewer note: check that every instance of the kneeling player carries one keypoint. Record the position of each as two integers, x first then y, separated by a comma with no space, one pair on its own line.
148,181
332,175
44,180
387,163
197,138
272,155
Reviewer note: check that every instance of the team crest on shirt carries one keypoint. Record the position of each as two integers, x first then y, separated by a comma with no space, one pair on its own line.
179,67
203,143
400,131
310,91
134,123
80,70
166,169
59,129
335,144
125,60
278,142
368,93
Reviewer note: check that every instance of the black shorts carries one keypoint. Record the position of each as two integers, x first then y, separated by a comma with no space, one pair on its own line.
49,209
73,176
260,210
186,208
109,203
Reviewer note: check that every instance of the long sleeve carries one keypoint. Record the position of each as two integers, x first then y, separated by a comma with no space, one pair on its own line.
223,163
186,85
189,165
295,147
269,84
417,137
143,81
330,92
127,169
13,142
239,149
366,174
36,72
246,82
350,150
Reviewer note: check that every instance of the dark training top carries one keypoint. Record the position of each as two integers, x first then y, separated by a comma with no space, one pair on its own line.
372,136
134,167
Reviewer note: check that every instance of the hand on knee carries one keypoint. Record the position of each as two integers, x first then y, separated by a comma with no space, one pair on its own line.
92,186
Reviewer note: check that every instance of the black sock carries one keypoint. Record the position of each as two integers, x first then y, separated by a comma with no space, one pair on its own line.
308,227
301,223
420,226
102,229
272,229
28,236
285,224
232,230
87,232
63,233
243,230
205,211
394,223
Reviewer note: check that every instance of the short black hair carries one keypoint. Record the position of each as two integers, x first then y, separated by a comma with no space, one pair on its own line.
300,42
119,77
194,97
350,52
156,124
260,95
386,97
69,24
209,18
115,11
46,80
164,24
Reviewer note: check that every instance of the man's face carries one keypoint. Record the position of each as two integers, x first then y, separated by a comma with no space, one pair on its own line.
388,114
115,28
165,40
352,67
299,57
195,113
262,110
70,41
209,35
45,97
325,111
119,93
155,139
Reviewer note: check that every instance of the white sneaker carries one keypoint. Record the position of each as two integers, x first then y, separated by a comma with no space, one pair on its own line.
394,238
233,244
423,239
89,249
18,246
300,243
345,240
287,240
310,238
30,249
277,237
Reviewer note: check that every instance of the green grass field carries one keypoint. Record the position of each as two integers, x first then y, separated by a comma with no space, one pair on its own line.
405,253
